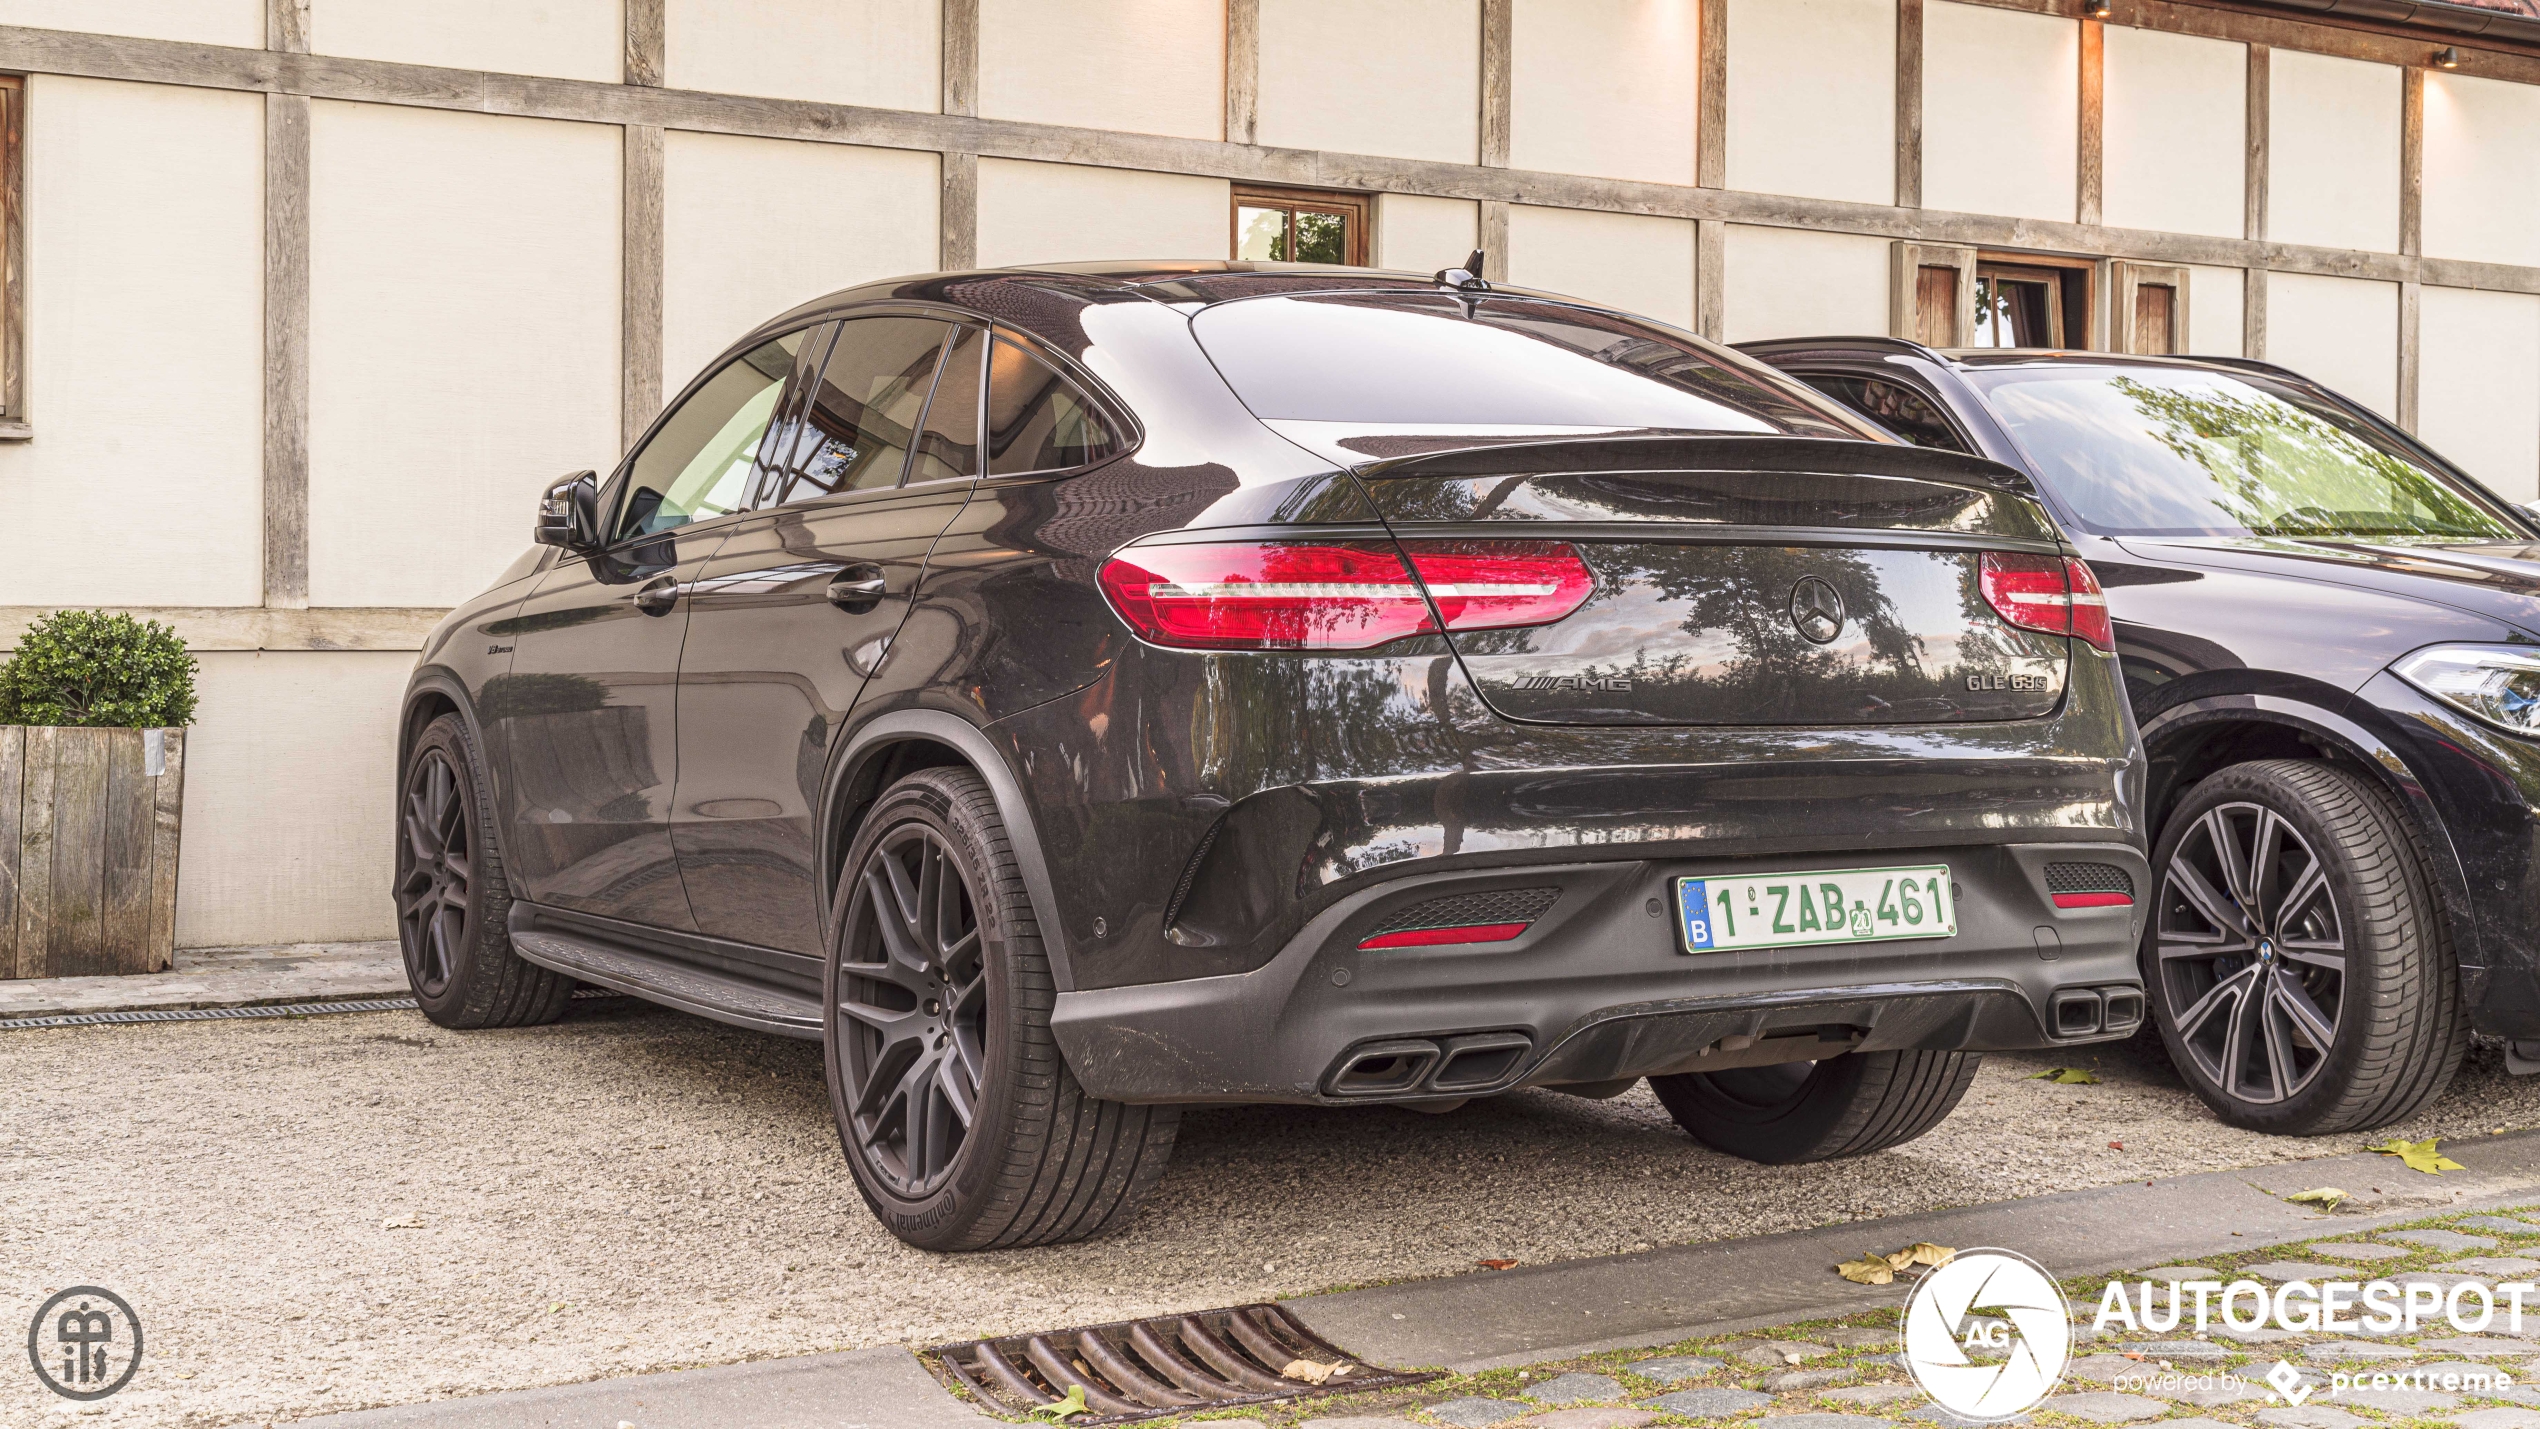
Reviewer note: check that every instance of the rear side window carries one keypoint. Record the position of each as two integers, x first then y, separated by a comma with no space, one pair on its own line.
1895,406
863,414
1038,420
1396,359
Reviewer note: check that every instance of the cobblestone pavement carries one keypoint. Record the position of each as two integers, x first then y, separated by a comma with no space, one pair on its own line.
1845,1374
330,1213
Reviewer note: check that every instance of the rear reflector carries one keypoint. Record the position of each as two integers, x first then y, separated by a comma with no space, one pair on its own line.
1283,595
2053,595
2093,900
1432,937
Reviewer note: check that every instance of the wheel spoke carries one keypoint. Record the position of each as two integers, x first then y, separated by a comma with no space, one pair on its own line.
2230,989
2236,1034
906,964
2306,1016
2275,1046
2182,945
2309,884
2228,857
2213,905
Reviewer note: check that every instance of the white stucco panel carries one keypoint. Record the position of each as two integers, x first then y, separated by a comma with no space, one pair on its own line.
572,39
1425,234
1402,78
1605,87
885,53
2001,111
1790,282
2177,119
1148,66
1629,261
2217,298
145,349
2482,169
2478,385
751,227
1812,98
290,783
208,22
1059,213
2342,333
2332,152
463,340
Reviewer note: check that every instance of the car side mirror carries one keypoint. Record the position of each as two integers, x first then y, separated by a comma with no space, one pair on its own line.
569,514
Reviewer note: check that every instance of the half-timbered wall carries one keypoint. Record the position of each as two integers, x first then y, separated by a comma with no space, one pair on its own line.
318,293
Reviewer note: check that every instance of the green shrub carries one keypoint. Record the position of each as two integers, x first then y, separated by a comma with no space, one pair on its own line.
80,667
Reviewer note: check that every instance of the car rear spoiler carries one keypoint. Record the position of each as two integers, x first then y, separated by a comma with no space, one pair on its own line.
1706,453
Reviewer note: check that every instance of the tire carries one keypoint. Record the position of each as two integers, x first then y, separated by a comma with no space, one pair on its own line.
925,1022
1817,1111
2360,1016
453,902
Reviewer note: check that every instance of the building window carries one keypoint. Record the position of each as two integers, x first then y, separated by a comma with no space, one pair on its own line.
2149,310
2028,301
1299,226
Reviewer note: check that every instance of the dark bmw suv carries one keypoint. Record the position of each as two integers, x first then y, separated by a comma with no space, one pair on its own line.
2331,639
1077,693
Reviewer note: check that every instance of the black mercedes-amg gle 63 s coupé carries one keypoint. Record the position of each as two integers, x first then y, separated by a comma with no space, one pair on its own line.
2331,639
1078,693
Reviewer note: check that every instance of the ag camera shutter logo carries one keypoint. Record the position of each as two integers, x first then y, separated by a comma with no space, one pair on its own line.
1999,1304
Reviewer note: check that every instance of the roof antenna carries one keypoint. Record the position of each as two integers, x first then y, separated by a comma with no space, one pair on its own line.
1467,278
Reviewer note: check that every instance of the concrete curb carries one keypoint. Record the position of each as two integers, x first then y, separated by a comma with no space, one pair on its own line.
220,977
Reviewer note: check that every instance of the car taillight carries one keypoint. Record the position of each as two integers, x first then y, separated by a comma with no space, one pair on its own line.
2053,595
1293,595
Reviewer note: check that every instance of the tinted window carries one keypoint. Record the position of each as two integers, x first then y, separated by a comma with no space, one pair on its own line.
863,413
949,446
701,460
2149,451
1895,406
1037,420
1398,358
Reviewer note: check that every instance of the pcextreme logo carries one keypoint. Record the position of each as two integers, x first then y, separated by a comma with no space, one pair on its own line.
1987,1335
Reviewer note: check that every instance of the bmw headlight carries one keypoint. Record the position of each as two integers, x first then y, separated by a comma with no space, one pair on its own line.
2496,684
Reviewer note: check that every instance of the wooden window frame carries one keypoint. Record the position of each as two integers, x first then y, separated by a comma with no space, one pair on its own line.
1905,292
13,418
2124,280
1357,211
2094,285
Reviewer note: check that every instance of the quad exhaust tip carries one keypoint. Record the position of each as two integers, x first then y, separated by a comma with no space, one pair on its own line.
1170,1364
1439,1066
2081,1011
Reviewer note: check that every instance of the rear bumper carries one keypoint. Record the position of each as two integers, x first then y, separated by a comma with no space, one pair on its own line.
1596,989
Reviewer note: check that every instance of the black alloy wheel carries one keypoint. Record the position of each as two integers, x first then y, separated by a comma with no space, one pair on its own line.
2297,959
453,901
961,1121
2252,952
433,872
913,985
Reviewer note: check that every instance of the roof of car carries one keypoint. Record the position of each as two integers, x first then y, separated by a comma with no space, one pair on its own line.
1965,358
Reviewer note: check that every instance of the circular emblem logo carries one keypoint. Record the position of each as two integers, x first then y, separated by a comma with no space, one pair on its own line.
85,1342
1987,1335
1817,609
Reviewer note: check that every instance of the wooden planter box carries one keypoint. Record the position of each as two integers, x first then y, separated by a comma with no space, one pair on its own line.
88,838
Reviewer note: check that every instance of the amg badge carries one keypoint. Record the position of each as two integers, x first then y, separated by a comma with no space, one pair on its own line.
1614,683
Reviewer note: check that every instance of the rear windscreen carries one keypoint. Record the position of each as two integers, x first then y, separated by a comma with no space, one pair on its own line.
1399,358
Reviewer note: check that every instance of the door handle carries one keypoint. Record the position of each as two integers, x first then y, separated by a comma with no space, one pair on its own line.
658,596
858,589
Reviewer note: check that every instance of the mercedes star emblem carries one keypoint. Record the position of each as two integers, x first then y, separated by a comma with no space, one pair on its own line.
1817,609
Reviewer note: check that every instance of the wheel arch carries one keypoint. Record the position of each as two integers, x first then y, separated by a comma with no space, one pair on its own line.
2190,741
889,748
433,692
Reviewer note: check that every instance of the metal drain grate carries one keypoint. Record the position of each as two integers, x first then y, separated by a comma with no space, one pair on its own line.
1144,1369
229,1014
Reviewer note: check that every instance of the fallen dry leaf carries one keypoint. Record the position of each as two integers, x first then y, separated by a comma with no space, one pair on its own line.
1871,1269
2327,1198
1921,1252
2116,1146
2065,1076
2419,1155
1314,1372
402,1223
1496,1264
1059,1410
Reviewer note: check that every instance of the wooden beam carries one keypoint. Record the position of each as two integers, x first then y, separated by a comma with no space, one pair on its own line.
640,321
1710,279
286,354
2411,310
647,41
957,213
1909,103
287,26
2412,161
1498,98
1711,97
1243,71
248,627
2253,313
2088,182
961,57
2260,123
1493,236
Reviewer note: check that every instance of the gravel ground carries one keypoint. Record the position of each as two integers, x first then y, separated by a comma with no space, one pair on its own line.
637,1190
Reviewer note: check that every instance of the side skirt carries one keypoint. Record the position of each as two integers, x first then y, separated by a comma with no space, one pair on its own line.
588,949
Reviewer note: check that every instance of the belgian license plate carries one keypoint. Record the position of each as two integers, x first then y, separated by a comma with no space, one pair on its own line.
1836,905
